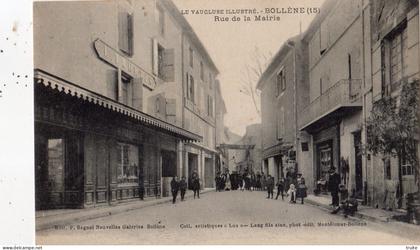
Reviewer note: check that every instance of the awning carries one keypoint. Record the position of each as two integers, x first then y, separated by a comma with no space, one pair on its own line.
66,87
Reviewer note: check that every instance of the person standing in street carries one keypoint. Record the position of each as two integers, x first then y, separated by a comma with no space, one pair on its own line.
333,186
196,185
183,187
280,189
270,186
291,193
174,188
301,189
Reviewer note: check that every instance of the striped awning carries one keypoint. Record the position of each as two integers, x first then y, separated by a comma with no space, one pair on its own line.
66,87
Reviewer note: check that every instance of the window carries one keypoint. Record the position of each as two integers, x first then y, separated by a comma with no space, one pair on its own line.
280,82
210,110
125,33
126,93
387,166
191,58
394,53
210,81
160,59
161,21
201,71
190,87
128,164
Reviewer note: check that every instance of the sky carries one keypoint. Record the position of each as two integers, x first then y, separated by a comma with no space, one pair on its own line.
231,44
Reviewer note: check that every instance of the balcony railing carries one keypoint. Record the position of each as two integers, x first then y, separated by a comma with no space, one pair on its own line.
345,92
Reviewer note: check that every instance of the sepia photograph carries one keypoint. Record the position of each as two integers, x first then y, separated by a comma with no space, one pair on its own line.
228,122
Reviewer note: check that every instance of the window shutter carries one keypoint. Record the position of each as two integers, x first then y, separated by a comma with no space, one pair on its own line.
138,94
379,77
161,102
170,106
130,35
112,84
123,31
169,65
155,59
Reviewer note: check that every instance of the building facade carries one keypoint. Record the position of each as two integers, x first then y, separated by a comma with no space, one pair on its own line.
110,109
356,53
394,46
283,94
331,123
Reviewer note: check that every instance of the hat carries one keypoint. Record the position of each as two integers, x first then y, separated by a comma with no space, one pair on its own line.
332,170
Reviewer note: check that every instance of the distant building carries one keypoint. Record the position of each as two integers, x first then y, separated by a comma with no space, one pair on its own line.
284,93
249,160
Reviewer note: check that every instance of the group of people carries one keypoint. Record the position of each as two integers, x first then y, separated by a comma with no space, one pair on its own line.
293,188
181,186
340,195
241,181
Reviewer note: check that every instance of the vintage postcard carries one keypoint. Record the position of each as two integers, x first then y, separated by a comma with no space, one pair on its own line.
225,122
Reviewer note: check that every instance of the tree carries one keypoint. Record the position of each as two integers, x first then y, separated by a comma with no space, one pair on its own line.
393,126
251,73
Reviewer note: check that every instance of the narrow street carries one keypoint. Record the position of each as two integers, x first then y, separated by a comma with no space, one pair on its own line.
233,217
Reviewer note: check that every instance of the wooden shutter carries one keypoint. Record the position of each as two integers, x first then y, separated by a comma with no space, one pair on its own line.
171,110
112,84
169,65
155,57
123,31
130,35
138,94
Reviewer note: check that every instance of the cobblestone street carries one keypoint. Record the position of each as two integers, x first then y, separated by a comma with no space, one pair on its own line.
229,217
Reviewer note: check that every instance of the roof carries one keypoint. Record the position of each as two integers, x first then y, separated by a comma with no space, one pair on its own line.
66,87
276,60
189,31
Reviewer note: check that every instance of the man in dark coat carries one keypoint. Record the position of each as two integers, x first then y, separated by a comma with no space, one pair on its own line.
280,189
333,186
270,186
174,188
183,187
196,185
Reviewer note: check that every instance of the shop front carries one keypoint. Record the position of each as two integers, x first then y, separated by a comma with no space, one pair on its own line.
93,151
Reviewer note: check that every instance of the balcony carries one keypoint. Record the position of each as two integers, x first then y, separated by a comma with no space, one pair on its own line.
341,99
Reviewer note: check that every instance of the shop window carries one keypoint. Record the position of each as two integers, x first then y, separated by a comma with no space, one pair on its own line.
128,164
125,32
56,165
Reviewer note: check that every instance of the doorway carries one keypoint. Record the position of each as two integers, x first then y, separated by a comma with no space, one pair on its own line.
208,173
192,166
358,165
58,170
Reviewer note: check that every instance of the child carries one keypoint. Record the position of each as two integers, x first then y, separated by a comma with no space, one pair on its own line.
292,193
301,190
280,189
